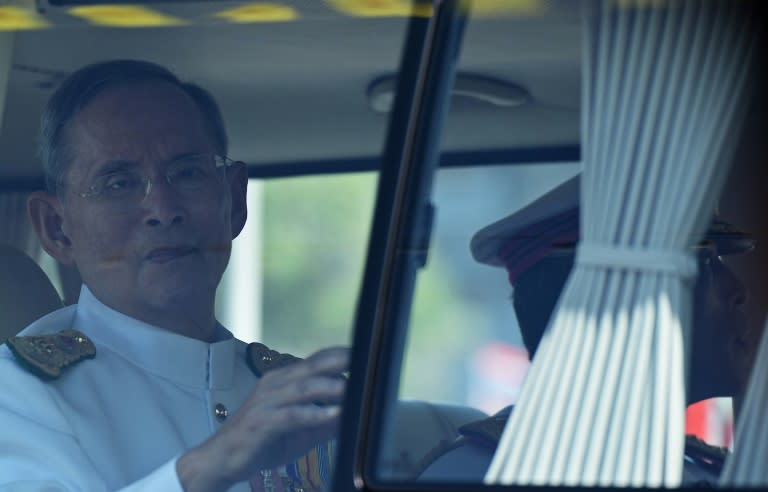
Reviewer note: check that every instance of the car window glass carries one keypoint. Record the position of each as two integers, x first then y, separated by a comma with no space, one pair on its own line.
518,89
295,273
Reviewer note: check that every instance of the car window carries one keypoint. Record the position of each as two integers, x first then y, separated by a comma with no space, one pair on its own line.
462,327
308,90
518,87
295,272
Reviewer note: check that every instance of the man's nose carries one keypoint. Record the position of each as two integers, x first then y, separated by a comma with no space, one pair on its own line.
162,203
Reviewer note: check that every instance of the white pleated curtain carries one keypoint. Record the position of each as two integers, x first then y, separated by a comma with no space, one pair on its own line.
748,465
662,96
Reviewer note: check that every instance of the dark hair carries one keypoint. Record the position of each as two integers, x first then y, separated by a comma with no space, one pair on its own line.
82,86
536,292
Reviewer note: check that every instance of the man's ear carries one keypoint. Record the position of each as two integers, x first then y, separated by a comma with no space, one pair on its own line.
45,213
238,184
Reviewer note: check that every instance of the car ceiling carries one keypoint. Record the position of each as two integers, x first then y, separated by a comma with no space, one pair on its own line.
295,92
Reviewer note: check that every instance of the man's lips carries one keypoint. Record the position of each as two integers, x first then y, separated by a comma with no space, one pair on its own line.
170,253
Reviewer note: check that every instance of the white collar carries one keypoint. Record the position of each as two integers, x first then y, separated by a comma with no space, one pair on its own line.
182,359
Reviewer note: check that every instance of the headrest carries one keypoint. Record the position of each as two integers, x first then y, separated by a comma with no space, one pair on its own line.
550,224
26,293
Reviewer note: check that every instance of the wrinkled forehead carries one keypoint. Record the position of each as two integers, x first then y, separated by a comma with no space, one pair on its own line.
142,121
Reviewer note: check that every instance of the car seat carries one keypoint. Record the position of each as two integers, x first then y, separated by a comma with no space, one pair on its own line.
420,428
26,292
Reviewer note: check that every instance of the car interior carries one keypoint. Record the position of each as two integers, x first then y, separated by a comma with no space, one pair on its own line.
309,94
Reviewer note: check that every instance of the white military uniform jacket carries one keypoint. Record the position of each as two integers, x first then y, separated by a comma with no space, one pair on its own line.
118,421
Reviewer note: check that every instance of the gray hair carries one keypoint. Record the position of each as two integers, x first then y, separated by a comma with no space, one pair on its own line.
77,90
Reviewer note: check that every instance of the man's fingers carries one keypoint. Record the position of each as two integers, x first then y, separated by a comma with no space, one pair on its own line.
314,382
312,415
315,389
331,361
290,410
328,362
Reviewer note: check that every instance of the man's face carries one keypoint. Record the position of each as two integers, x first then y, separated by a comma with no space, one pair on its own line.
169,249
720,353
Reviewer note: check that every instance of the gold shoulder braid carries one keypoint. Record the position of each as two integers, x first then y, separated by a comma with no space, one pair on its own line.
46,355
440,449
261,359
487,431
706,455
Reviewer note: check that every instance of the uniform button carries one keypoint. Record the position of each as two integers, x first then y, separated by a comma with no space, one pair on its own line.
221,412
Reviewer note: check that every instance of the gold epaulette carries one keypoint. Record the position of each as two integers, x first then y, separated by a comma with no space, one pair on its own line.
46,355
261,359
439,450
705,454
487,430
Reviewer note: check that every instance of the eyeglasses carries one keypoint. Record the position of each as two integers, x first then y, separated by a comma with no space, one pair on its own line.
188,174
707,252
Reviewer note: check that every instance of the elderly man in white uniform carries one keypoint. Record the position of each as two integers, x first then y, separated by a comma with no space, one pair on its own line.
138,387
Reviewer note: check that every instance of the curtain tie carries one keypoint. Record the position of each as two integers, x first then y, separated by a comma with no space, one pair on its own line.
637,258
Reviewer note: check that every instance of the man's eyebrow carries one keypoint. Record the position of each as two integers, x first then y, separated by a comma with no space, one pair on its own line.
116,165
184,155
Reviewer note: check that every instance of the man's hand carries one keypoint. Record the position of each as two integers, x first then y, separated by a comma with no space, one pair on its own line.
278,423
